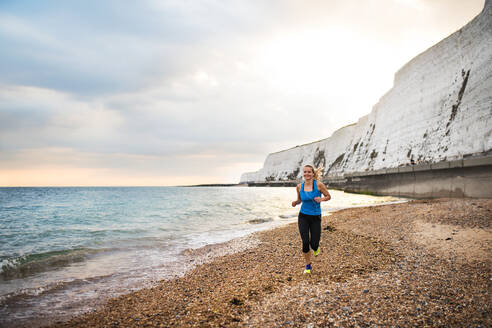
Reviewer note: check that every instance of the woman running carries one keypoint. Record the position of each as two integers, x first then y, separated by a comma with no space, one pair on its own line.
309,220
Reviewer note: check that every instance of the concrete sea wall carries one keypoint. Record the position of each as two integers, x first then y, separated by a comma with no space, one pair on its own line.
460,178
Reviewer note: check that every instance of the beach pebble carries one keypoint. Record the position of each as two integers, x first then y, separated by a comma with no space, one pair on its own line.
258,286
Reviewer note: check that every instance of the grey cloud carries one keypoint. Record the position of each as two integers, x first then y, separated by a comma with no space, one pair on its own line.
117,84
90,48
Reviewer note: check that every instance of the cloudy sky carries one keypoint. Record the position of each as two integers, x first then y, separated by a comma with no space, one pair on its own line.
157,92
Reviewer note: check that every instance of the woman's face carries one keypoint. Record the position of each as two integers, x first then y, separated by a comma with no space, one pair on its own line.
307,173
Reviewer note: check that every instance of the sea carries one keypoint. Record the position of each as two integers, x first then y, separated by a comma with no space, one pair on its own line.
64,250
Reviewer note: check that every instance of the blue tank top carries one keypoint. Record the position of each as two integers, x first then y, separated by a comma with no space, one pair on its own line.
309,206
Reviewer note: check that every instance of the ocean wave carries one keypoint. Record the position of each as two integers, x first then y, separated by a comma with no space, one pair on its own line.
27,265
29,293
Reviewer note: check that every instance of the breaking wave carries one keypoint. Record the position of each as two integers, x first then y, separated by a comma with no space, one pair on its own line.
27,265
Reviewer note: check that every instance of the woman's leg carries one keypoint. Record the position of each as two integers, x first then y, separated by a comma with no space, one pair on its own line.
307,257
315,230
303,223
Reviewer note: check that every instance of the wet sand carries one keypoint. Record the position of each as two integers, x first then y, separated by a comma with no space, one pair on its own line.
422,263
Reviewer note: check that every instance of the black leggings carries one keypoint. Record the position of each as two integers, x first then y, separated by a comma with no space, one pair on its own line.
309,224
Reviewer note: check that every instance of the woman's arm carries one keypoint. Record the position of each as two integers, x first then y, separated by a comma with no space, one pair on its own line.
324,191
298,201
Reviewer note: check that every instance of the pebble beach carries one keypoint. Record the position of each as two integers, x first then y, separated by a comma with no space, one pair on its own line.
424,263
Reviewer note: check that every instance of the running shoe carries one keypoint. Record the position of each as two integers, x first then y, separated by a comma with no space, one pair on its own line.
316,252
308,269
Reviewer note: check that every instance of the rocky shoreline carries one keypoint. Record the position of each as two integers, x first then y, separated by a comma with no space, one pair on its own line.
421,263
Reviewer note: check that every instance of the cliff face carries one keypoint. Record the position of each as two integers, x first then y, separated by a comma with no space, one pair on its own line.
439,109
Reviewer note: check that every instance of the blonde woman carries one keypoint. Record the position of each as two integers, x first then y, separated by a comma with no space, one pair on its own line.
309,220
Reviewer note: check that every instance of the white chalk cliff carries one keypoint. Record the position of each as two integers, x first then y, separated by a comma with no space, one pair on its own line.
439,109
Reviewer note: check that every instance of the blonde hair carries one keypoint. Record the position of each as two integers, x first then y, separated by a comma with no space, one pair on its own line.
317,172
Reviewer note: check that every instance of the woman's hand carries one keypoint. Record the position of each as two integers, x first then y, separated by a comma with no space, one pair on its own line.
318,199
294,203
